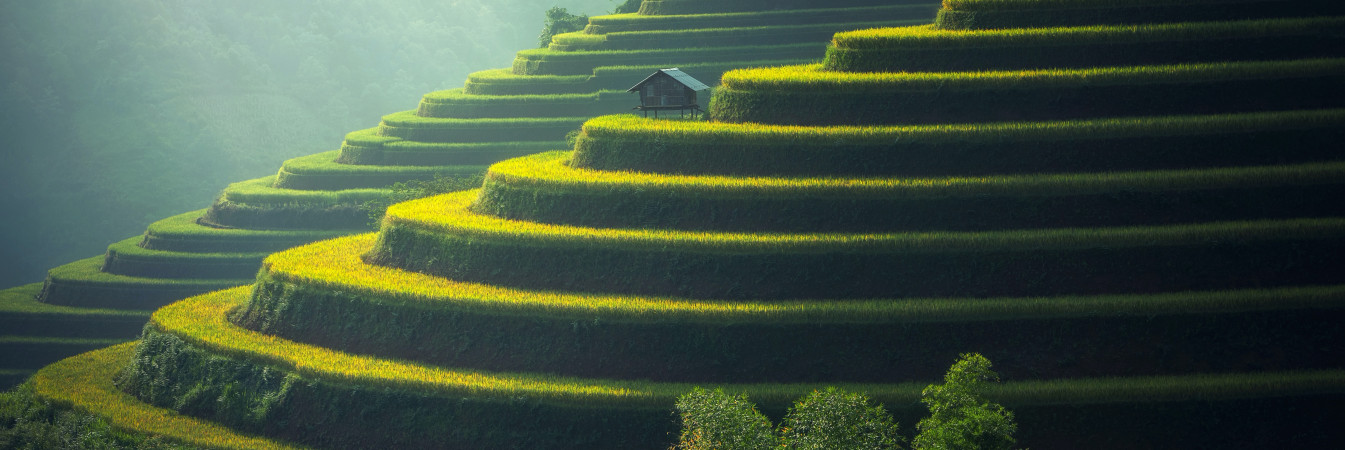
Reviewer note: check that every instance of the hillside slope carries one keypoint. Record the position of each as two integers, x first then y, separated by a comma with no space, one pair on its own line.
1147,243
497,115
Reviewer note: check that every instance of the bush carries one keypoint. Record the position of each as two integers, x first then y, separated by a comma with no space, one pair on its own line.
558,21
835,419
832,419
719,421
960,416
629,6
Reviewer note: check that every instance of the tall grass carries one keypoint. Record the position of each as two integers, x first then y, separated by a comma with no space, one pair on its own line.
202,321
335,265
449,214
927,37
813,79
260,191
550,171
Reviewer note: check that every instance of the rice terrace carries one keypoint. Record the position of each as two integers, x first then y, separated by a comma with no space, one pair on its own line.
1133,209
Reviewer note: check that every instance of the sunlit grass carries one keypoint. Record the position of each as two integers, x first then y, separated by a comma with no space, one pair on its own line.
702,36
202,322
771,140
990,5
409,119
812,78
449,214
927,37
336,265
85,272
183,227
23,300
85,382
550,172
260,191
636,22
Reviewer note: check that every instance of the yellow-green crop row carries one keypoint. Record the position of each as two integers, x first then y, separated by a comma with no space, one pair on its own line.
635,22
85,272
23,300
59,340
626,126
449,213
183,227
813,78
129,249
716,37
202,321
409,119
325,164
336,265
507,76
85,382
261,191
549,62
457,96
984,5
551,171
929,37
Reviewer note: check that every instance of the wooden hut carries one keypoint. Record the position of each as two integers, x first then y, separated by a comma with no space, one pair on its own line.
668,89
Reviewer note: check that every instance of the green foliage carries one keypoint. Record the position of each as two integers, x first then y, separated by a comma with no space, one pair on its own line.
960,416
714,420
629,6
838,420
30,422
831,419
414,189
558,21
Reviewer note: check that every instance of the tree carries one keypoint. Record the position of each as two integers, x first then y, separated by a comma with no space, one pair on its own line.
960,416
716,420
558,21
629,6
839,420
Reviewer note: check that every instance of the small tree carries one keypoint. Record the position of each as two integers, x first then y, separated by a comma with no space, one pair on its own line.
960,416
719,421
837,420
629,6
558,21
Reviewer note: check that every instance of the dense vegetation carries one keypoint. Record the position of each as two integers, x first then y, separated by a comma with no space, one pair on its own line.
960,418
1130,243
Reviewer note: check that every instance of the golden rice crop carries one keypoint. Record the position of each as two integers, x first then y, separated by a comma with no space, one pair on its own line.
550,171
813,78
336,264
929,37
449,213
629,126
202,321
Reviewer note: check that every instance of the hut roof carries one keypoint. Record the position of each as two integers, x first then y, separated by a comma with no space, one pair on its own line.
676,74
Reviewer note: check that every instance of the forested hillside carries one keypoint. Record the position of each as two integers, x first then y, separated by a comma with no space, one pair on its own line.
118,113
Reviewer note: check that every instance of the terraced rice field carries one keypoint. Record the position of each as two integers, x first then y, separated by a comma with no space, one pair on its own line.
1149,249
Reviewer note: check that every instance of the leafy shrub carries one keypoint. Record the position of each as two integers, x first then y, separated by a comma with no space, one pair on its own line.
558,21
832,419
960,416
719,421
835,419
629,6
